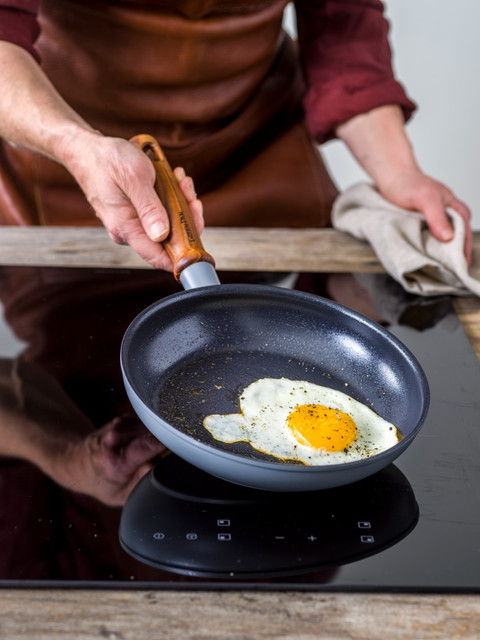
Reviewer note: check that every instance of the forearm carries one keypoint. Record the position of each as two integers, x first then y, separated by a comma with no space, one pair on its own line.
379,143
33,115
38,422
116,177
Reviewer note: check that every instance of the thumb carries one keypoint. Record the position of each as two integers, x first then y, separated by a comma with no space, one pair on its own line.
437,219
151,213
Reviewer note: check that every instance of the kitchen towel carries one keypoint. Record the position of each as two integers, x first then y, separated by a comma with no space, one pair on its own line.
404,245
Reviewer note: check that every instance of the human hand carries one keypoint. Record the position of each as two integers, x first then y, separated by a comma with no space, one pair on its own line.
109,462
378,140
40,423
117,179
418,192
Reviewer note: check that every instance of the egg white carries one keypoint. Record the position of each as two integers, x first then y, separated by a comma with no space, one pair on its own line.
265,406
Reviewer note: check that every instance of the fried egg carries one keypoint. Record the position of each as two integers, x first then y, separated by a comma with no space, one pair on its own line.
303,421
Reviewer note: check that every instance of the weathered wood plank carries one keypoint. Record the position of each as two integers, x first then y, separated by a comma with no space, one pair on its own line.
235,249
468,310
180,615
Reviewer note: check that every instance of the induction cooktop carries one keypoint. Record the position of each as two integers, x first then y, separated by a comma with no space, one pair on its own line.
414,526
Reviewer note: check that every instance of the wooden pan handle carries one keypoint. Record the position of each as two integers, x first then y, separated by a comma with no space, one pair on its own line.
183,243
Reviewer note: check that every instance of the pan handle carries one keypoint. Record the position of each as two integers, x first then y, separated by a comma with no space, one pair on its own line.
183,243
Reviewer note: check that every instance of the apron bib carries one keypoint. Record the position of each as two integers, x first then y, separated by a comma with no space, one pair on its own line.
217,83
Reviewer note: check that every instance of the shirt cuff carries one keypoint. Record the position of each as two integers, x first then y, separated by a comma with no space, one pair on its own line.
19,27
330,105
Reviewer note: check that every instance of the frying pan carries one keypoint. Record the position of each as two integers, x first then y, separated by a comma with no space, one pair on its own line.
192,353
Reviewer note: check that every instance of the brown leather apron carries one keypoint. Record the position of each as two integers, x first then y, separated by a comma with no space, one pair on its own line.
218,83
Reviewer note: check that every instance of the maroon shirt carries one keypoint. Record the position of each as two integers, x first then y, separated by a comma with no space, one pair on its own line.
344,50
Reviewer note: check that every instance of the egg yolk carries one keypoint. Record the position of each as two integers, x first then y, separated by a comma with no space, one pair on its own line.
322,427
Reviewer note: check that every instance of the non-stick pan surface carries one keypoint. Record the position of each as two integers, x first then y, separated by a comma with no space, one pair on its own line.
191,354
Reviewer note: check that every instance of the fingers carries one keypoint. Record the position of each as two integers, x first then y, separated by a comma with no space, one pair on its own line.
461,208
120,431
141,192
452,202
153,217
437,220
130,443
114,458
186,184
418,192
152,213
154,224
441,226
118,181
127,490
188,188
142,450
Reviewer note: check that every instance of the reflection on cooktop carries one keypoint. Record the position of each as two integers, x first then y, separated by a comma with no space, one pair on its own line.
70,449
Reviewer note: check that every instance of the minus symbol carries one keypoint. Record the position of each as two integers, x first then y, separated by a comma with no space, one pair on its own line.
279,537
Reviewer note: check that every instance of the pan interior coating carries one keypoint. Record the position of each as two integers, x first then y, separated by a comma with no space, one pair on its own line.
191,355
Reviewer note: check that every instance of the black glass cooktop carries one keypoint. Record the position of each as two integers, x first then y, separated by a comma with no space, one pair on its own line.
414,526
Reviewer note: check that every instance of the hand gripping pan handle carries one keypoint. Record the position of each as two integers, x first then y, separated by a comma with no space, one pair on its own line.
192,265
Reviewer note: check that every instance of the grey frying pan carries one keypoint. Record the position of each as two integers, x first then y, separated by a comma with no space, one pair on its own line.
192,353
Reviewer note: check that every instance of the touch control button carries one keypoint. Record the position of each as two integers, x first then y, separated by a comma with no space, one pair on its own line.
224,537
367,539
223,522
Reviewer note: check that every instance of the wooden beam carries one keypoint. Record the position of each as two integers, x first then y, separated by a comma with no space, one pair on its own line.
234,249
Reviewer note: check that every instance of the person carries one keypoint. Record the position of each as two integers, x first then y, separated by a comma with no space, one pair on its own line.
231,98
240,110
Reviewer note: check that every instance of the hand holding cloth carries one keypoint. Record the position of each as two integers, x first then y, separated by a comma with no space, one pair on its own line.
406,248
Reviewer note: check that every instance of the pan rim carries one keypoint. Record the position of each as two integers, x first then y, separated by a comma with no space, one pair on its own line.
258,289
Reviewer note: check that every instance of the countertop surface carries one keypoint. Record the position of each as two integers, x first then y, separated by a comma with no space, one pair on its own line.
88,614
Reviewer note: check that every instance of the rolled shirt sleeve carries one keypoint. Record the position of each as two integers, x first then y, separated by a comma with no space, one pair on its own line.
344,49
347,62
18,23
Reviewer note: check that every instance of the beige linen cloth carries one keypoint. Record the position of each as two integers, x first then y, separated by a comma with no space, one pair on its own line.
406,248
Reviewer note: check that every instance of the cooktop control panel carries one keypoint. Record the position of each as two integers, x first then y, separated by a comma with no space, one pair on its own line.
184,520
